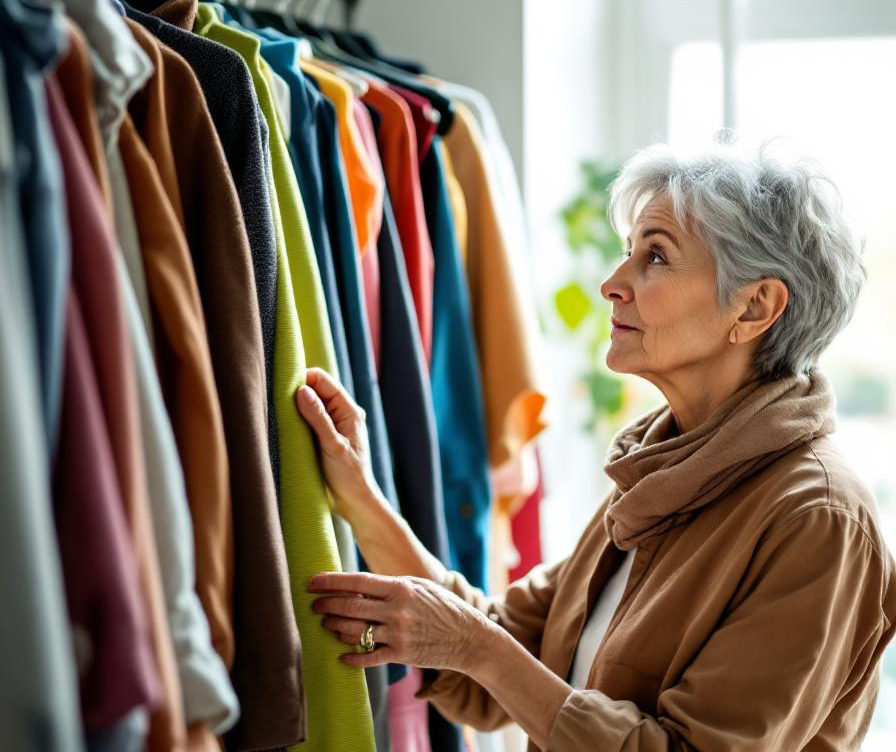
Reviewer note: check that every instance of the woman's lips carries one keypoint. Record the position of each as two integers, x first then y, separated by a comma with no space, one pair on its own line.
619,328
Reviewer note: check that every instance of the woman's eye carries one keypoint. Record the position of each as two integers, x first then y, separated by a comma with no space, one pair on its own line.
653,258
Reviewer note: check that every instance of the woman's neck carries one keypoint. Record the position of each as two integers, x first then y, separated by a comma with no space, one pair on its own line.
694,394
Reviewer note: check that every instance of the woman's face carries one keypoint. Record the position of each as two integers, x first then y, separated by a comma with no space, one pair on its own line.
666,318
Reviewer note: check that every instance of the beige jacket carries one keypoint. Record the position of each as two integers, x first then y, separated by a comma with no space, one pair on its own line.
754,621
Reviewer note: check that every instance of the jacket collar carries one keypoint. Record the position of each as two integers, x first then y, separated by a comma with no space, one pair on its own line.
663,478
181,13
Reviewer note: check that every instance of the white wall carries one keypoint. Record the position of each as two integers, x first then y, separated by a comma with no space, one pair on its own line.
569,105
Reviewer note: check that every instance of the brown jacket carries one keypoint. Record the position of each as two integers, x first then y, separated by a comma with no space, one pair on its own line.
754,622
182,353
181,136
180,335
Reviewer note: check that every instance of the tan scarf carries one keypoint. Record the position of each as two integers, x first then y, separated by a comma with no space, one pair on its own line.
663,477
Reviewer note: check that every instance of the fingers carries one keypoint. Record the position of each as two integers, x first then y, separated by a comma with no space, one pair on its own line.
350,631
313,411
348,615
352,607
332,394
364,583
324,384
378,657
323,394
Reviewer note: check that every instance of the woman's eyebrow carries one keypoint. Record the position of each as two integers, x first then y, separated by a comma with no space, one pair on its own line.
660,231
654,231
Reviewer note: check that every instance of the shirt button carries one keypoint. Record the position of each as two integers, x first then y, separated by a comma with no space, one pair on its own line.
466,510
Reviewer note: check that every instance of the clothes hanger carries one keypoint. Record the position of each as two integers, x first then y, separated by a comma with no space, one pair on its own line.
358,45
347,43
392,75
241,10
397,77
355,79
281,16
304,21
324,46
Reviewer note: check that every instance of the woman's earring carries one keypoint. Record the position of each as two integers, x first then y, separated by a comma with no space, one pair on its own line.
732,336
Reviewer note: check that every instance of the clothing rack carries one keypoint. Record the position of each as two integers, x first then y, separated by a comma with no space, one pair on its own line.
178,487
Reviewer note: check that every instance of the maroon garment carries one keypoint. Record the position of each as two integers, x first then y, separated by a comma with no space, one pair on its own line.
525,527
116,672
424,116
398,147
93,476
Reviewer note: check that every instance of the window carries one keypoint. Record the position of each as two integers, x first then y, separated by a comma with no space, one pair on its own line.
825,96
814,71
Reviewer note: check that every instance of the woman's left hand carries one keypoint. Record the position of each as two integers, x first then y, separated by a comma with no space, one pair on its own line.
415,621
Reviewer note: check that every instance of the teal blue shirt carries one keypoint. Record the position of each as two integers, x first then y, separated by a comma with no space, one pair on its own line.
456,385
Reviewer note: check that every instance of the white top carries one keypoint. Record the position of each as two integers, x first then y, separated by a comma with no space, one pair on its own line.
596,626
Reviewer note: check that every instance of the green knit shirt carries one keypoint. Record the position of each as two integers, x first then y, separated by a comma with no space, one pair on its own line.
339,716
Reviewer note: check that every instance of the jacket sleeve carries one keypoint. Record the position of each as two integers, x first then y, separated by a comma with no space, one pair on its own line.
804,632
522,612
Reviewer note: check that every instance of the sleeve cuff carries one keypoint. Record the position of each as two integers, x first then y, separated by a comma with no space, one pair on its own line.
590,720
437,682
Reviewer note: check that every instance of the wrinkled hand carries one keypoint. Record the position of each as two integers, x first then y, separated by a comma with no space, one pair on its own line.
341,430
416,621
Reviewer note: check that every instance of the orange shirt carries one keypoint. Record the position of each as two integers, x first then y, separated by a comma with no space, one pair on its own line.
364,185
513,400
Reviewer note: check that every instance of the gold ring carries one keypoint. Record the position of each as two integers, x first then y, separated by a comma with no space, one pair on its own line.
367,641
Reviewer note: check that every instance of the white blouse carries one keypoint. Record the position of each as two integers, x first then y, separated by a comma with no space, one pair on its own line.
596,626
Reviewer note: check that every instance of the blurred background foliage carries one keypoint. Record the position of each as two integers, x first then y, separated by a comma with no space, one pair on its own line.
596,250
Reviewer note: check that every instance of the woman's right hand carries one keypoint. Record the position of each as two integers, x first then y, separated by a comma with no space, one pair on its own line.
341,430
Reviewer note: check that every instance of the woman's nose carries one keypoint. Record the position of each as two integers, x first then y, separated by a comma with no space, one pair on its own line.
615,288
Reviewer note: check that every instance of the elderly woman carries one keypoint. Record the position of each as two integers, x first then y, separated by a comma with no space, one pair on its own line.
734,591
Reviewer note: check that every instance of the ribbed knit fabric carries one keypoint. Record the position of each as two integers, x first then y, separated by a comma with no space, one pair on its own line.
367,390
281,55
339,716
310,306
313,139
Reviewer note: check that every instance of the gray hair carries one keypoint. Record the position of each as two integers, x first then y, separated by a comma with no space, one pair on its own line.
762,217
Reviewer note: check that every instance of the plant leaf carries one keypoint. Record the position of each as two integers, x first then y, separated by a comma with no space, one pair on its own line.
605,391
573,305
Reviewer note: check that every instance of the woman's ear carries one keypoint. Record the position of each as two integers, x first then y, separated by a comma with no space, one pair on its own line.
764,306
